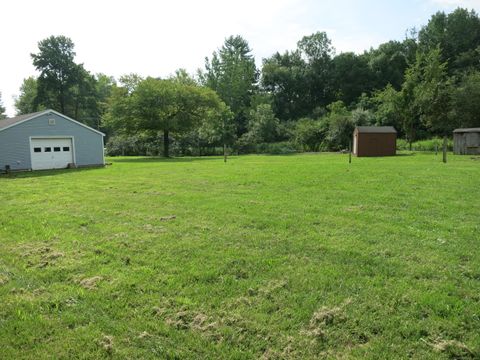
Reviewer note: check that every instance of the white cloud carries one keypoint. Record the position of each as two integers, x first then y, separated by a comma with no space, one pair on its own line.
470,4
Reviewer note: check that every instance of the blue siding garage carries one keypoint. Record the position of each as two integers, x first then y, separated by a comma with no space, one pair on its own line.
48,140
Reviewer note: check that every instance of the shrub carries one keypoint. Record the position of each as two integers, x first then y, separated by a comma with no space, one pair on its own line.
309,134
278,148
424,145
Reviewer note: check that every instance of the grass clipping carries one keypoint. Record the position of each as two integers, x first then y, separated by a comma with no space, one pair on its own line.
454,349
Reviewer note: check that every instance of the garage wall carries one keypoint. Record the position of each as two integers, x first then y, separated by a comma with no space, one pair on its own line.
15,141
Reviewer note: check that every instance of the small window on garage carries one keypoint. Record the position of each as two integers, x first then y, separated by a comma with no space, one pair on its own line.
56,149
66,148
37,149
48,149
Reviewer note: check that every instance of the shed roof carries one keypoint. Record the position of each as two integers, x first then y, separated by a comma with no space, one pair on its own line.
466,130
376,129
9,122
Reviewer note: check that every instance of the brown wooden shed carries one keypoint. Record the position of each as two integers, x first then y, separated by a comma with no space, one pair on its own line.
466,141
375,141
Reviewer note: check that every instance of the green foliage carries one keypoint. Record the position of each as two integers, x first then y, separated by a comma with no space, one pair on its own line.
263,126
387,63
425,145
317,48
26,102
340,130
309,133
146,144
169,106
457,34
218,126
62,84
284,77
432,92
276,148
183,77
466,101
232,73
351,76
388,107
103,90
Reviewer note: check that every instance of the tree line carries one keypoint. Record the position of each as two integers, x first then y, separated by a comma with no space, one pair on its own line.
308,98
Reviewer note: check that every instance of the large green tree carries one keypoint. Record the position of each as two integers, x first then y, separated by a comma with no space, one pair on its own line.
465,101
157,105
284,77
58,72
64,85
457,34
388,62
351,76
232,73
433,93
387,104
317,49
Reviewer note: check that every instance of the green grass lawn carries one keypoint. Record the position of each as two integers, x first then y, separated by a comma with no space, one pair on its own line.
273,257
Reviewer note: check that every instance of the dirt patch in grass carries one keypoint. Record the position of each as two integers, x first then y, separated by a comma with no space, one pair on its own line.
40,256
91,283
454,349
4,279
272,287
144,335
324,318
153,229
167,218
191,320
355,208
107,343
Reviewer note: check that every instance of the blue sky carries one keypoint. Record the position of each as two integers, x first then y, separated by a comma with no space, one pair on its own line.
156,37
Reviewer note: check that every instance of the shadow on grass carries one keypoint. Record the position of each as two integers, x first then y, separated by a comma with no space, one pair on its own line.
405,154
42,173
149,159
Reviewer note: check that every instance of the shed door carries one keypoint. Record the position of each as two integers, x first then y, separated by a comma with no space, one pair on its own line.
51,153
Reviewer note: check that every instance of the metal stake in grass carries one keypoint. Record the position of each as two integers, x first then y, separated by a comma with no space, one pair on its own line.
350,152
445,149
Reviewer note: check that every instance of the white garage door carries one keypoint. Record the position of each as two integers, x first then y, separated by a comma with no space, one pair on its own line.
51,153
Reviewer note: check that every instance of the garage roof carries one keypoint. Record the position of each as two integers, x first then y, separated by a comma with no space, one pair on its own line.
12,121
7,123
376,129
466,130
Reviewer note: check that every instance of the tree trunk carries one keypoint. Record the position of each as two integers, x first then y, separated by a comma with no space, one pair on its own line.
224,153
445,142
166,143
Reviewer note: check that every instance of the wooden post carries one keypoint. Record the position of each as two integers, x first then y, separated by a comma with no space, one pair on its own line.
436,149
350,152
224,153
445,149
